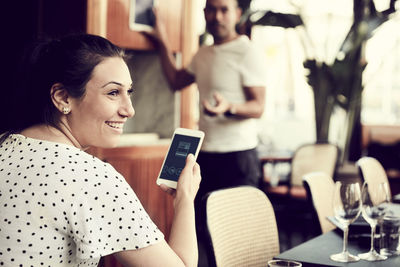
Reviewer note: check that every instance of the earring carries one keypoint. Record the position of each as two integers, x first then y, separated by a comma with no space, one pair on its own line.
66,110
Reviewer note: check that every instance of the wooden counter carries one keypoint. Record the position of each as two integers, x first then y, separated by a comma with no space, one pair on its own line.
140,166
383,134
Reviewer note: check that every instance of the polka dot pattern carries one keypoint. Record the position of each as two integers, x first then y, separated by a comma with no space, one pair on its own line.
63,207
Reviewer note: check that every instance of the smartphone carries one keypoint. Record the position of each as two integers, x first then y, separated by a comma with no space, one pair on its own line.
141,16
184,142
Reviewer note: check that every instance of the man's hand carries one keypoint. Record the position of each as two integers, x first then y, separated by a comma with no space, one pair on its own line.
159,33
221,105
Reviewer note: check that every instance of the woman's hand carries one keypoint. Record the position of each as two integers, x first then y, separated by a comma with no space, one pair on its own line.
188,182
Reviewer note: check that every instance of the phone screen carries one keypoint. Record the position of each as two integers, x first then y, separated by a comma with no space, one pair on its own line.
181,146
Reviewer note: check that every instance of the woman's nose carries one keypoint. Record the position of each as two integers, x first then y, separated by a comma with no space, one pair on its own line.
131,111
127,109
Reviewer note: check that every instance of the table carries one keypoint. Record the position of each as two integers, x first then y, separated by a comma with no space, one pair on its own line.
273,159
316,252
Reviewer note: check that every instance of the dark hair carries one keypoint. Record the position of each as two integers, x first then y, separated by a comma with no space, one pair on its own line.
69,61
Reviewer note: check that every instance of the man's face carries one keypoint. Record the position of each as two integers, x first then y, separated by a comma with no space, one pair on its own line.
221,18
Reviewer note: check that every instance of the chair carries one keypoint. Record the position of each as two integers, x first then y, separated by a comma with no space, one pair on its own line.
241,226
320,189
318,157
372,172
290,200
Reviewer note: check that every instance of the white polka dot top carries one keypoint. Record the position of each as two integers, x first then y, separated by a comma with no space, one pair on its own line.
60,206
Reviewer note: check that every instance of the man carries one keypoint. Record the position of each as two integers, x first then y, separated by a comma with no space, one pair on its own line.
230,78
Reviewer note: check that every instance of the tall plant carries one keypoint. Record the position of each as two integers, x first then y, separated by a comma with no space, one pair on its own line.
338,84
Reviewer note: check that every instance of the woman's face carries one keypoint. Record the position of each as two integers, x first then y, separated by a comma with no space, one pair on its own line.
97,118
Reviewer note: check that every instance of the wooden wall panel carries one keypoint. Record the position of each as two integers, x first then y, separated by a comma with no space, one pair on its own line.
190,44
141,174
384,134
118,30
96,19
140,167
110,18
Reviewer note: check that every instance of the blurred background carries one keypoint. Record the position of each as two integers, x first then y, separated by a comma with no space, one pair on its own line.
333,72
333,66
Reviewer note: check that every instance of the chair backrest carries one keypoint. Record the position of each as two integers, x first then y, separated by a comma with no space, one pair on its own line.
321,188
372,171
242,227
313,158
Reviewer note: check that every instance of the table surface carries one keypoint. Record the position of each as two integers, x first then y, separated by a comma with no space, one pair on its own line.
316,252
276,157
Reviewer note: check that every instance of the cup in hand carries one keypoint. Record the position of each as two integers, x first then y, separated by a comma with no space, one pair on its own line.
390,232
280,263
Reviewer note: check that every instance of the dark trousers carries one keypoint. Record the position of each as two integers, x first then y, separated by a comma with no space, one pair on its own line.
223,170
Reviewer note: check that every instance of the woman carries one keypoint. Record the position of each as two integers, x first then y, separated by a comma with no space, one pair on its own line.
61,206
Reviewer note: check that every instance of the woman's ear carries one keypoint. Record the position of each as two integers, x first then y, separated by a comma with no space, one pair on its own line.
60,98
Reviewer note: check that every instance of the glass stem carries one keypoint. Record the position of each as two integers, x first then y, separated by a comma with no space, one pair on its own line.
345,237
373,228
380,234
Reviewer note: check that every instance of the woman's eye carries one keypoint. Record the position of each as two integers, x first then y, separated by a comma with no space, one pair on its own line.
130,92
114,92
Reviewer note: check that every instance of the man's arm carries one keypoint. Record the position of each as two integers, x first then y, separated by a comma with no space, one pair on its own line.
252,108
177,78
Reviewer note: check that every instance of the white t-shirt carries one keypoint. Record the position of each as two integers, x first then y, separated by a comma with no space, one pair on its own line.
63,207
226,69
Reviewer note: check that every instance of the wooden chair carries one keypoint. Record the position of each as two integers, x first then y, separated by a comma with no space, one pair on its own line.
241,226
320,189
372,172
318,157
290,200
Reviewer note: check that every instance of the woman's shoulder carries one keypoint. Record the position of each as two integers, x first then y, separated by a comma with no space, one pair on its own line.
55,153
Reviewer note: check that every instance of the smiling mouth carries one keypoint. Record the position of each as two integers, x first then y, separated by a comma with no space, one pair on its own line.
115,125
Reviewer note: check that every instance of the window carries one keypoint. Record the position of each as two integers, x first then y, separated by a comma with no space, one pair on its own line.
381,78
289,119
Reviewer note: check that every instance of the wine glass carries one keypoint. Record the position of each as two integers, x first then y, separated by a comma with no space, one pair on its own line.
346,207
374,204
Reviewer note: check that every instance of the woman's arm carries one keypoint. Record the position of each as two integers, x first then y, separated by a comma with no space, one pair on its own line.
181,249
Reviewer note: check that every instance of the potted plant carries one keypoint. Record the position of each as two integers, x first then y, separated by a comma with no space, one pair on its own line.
337,84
